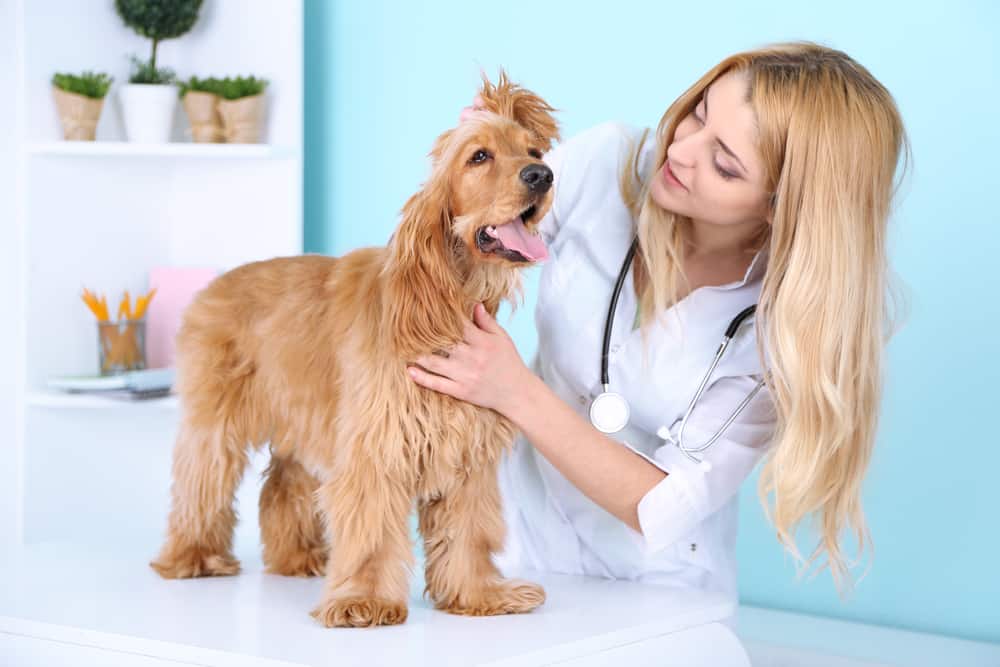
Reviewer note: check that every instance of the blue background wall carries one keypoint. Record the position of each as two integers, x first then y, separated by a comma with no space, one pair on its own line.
383,79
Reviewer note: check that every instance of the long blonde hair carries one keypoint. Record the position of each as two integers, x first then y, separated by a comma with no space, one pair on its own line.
830,138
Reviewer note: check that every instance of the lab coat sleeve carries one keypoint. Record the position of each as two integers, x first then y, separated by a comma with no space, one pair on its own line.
583,164
689,494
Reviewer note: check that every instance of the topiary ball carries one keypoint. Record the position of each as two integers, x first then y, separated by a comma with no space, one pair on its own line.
159,19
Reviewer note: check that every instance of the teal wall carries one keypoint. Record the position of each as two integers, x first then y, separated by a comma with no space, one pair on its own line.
384,78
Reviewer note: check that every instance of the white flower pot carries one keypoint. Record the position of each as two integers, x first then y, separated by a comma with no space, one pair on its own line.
148,111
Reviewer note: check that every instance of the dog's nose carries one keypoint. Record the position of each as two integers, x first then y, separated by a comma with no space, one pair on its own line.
538,177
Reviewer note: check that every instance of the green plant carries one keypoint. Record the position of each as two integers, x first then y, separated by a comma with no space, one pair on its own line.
239,87
146,72
90,84
157,20
209,85
229,88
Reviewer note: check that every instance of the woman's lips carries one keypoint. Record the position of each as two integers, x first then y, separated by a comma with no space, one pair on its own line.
670,178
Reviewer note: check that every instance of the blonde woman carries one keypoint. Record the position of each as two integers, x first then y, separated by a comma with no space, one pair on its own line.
767,182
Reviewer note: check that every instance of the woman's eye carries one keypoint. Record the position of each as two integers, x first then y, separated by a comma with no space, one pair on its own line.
479,156
535,153
728,175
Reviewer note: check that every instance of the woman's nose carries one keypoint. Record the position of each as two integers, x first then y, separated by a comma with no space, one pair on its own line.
681,152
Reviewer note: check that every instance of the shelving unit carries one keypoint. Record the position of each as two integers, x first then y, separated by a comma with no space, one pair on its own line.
58,399
124,149
101,215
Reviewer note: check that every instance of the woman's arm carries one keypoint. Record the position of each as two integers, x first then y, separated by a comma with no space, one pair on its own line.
611,475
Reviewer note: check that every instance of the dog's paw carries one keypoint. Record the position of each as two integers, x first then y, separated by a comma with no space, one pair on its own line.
513,596
310,563
356,612
193,562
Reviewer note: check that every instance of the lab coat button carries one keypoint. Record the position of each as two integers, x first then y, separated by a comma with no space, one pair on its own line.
583,399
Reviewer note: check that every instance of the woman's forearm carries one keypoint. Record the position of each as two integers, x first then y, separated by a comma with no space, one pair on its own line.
611,475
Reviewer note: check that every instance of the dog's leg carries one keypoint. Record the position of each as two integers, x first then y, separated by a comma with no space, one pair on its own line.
208,465
367,506
291,526
461,530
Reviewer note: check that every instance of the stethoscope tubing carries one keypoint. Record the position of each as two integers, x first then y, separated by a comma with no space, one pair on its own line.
609,320
731,330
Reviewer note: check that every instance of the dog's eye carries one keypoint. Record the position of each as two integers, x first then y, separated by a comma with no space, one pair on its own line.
535,153
479,156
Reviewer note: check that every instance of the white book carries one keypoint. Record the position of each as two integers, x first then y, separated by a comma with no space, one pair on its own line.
148,380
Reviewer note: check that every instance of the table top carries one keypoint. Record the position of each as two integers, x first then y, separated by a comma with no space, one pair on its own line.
111,599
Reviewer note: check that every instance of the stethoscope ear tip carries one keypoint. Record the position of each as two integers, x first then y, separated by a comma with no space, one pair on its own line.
663,433
705,466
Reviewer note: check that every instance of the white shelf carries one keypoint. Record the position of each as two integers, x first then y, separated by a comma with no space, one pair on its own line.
169,150
57,399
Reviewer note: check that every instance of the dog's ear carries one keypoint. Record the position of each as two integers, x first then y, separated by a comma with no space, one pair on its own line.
439,148
424,294
522,106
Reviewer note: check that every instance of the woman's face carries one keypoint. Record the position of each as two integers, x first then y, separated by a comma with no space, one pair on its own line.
713,173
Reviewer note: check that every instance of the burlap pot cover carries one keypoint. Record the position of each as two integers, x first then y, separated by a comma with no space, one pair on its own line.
202,112
79,114
242,119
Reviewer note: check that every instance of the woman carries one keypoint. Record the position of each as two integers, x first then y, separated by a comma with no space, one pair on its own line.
767,182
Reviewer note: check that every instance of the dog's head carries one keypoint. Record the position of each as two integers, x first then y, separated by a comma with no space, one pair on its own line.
464,236
489,184
500,187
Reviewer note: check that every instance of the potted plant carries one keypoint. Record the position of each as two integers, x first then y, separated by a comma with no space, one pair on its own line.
149,98
200,99
242,108
79,99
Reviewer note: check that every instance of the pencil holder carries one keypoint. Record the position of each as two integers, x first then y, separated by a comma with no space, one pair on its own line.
121,346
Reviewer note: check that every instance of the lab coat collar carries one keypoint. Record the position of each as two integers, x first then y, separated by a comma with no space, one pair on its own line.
758,266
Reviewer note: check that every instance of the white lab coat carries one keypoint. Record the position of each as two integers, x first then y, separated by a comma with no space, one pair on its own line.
688,520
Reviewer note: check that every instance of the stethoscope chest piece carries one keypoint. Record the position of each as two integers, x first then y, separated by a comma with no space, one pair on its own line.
609,412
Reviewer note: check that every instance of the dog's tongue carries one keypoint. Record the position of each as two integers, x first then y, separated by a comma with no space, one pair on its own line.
514,235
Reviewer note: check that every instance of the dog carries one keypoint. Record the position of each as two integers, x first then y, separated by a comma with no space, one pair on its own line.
308,354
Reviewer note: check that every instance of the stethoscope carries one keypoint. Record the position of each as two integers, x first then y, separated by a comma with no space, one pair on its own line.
609,412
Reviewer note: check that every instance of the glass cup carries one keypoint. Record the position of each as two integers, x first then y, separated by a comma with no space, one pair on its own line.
121,346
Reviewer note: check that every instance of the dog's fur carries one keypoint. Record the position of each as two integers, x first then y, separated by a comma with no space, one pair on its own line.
309,354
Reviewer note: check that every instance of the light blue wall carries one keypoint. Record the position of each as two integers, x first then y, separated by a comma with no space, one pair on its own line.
383,79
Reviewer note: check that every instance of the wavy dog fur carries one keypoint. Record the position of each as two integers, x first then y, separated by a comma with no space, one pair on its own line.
309,354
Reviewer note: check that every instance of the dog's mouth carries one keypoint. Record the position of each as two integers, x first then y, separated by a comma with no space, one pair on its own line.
512,240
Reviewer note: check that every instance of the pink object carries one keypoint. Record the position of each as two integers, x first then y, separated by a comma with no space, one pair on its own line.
476,109
515,236
175,288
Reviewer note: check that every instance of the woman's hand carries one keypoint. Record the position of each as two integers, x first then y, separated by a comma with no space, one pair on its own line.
484,369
